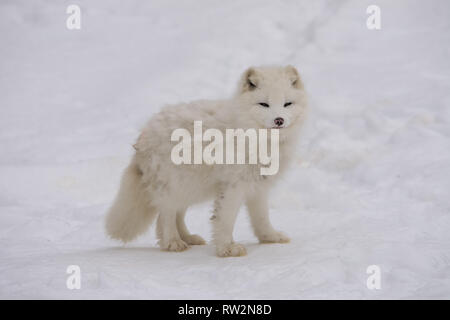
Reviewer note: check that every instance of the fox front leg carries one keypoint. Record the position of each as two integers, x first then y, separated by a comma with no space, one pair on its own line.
258,210
226,208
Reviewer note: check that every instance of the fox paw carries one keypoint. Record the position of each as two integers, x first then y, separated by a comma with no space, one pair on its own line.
194,239
231,250
175,245
274,237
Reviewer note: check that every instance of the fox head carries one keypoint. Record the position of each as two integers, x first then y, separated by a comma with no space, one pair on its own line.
272,97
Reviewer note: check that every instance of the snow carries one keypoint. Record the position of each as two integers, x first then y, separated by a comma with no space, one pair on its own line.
369,186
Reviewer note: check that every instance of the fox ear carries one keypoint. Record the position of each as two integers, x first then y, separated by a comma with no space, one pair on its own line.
294,77
249,81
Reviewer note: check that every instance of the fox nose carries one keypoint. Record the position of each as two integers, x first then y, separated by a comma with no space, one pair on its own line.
278,121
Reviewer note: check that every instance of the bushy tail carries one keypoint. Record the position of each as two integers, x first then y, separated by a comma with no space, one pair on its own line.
131,213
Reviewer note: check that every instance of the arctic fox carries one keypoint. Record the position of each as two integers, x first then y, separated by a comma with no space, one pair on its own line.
271,98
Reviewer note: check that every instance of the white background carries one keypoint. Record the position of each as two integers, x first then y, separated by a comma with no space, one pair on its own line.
370,184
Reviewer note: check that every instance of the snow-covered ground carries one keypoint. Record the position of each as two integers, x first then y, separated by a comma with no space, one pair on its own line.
370,186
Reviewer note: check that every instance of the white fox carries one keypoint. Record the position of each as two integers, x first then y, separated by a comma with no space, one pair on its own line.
152,185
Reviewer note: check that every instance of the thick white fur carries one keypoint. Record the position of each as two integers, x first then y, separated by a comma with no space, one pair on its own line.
153,185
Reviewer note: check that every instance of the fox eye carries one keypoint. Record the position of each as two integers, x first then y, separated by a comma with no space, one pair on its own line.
263,104
251,84
287,104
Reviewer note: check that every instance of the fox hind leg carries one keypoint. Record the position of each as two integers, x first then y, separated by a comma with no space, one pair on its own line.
186,236
166,230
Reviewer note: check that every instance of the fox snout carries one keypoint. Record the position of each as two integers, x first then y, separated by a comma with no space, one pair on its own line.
278,121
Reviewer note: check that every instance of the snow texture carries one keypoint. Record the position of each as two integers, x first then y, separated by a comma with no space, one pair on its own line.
370,185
